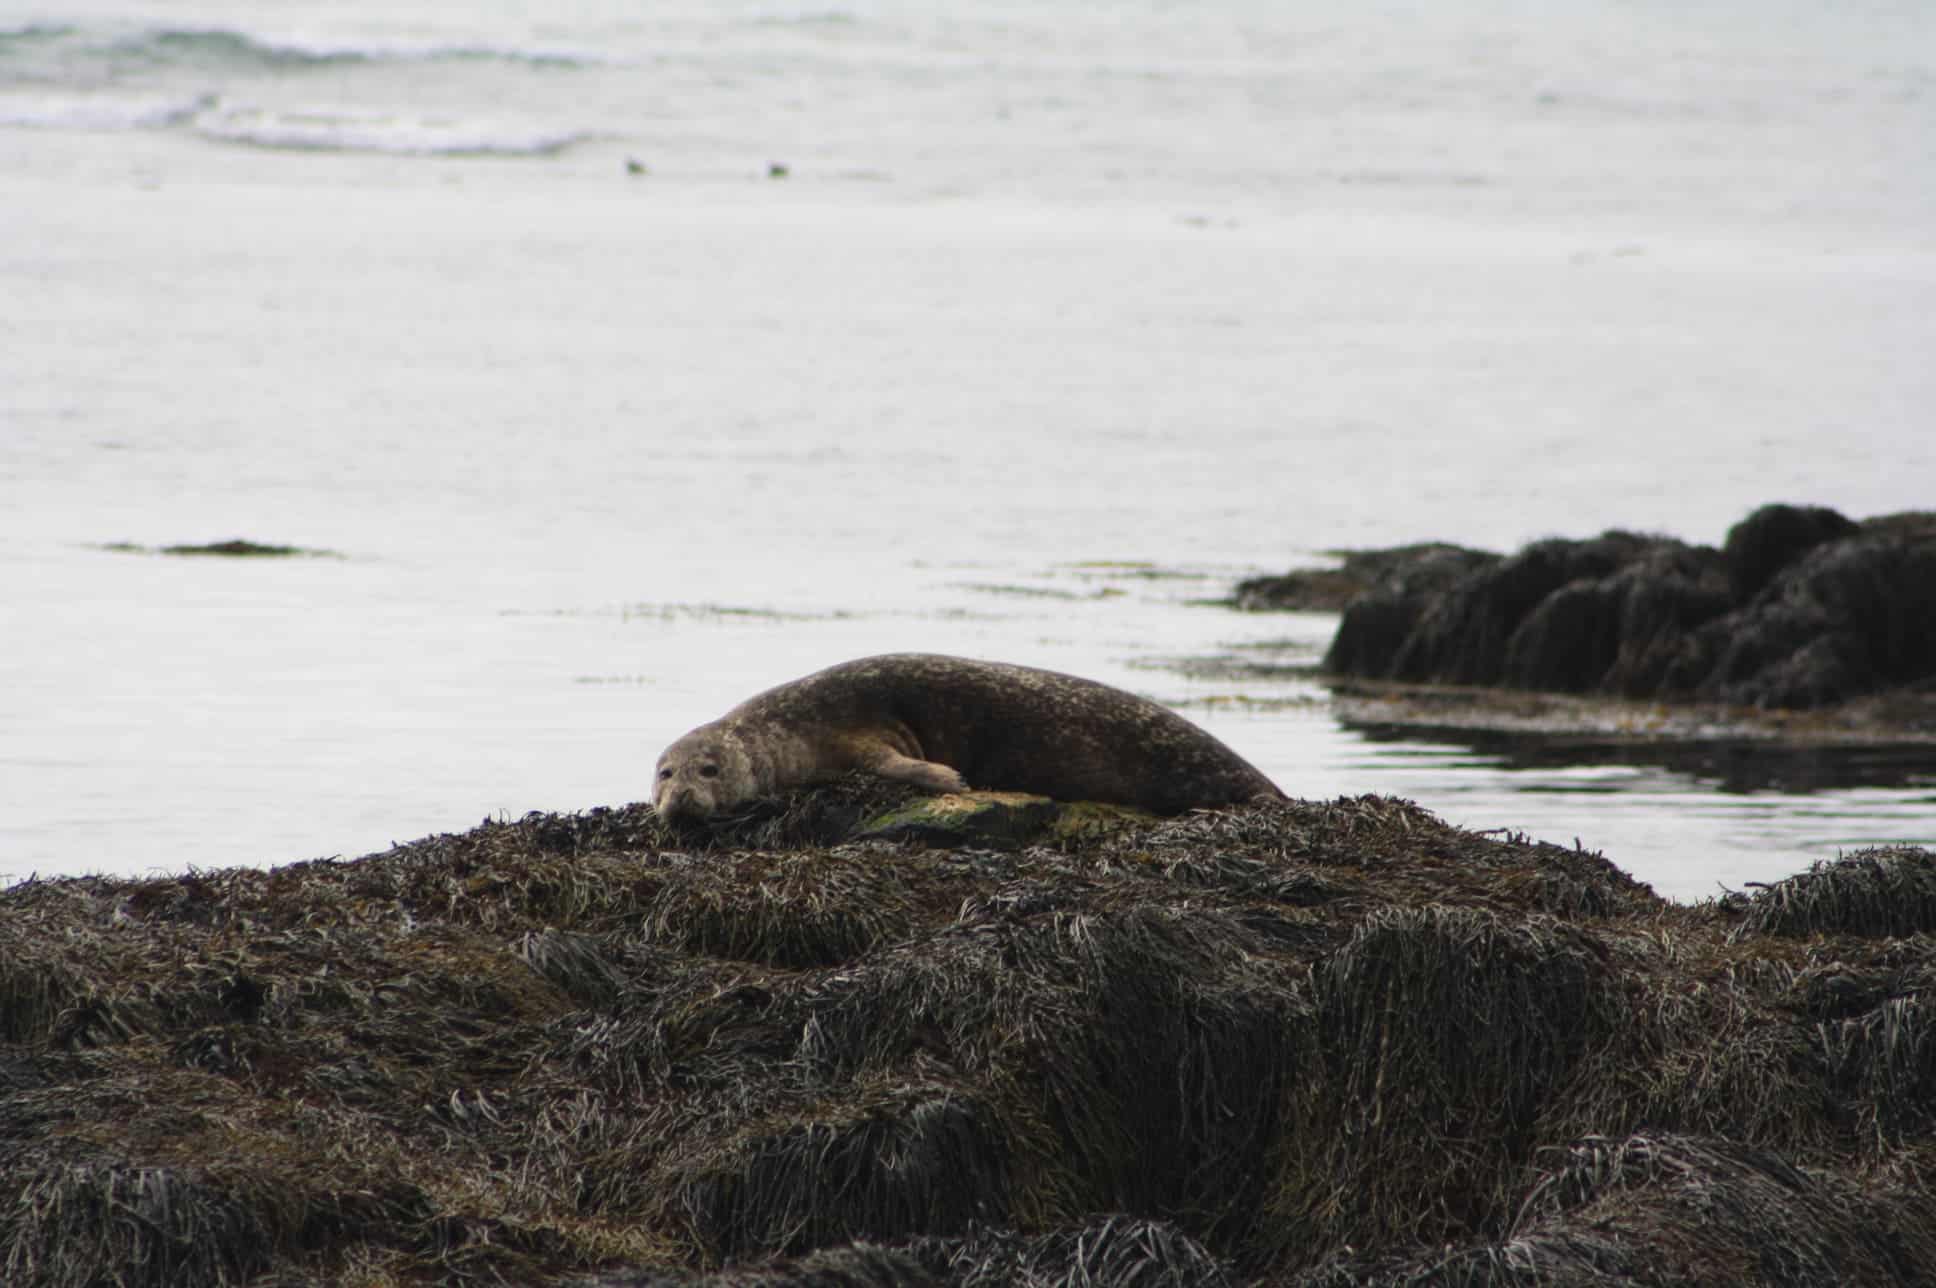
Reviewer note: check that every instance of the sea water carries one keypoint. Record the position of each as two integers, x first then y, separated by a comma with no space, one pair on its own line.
622,360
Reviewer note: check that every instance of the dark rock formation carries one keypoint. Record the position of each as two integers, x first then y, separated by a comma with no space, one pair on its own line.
1328,590
1304,1043
1800,608
1775,536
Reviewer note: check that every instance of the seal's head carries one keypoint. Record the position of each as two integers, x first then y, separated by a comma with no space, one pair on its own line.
701,774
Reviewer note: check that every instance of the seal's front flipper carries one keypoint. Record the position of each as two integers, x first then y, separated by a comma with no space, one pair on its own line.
930,774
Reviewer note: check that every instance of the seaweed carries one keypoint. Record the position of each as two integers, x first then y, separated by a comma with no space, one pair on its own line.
1802,608
1305,1042
235,548
1884,891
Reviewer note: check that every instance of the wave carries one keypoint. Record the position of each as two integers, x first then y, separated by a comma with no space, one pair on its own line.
208,117
808,18
217,49
99,111
228,49
222,47
397,135
32,33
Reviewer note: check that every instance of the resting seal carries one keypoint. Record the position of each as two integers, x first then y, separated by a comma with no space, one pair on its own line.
944,722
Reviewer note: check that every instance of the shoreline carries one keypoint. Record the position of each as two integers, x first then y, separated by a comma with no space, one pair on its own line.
1895,719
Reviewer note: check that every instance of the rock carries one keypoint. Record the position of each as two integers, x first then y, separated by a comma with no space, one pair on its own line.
1802,608
1408,581
1773,537
1308,1042
1328,590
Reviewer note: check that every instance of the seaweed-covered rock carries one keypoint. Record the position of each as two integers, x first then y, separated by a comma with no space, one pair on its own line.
1852,615
1308,1042
1774,537
855,1265
1763,1221
1801,608
1885,892
1111,1249
1328,590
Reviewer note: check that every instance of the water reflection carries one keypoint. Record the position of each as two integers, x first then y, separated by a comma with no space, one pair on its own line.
1691,820
1578,763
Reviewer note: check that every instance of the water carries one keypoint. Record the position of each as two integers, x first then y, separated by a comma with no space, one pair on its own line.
1062,317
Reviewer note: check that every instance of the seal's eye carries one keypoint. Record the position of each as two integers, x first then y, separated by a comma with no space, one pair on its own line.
709,771
664,774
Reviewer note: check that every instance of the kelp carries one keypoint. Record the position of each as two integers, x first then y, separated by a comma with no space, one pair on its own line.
1310,1043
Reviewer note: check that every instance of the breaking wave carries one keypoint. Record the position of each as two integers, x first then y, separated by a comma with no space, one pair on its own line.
208,117
32,33
98,111
223,49
230,86
399,135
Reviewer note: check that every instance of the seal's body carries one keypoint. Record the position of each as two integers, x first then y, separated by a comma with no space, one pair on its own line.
944,723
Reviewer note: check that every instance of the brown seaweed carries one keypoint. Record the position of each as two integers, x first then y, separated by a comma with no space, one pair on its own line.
1311,1043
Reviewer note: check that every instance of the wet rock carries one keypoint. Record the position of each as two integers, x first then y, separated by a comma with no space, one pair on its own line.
1328,590
1773,537
1852,615
1801,608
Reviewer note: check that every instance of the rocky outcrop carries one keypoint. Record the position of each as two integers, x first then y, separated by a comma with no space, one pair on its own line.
1299,1044
1328,590
1801,607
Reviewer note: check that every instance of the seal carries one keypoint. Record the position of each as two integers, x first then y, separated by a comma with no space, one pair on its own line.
944,722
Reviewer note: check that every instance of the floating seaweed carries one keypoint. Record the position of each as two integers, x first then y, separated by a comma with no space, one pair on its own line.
235,548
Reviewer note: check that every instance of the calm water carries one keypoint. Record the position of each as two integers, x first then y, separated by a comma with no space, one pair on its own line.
1062,317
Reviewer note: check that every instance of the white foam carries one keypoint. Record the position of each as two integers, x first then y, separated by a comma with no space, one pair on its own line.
98,111
317,47
401,134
